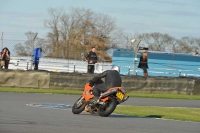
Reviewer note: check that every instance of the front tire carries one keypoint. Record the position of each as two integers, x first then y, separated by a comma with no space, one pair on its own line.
107,110
79,105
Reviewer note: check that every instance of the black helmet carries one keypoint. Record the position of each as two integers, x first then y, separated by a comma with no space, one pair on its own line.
117,68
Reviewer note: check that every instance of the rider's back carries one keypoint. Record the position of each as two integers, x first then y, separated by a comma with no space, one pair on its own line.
112,79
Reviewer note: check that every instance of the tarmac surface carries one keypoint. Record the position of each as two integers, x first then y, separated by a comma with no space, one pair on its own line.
51,113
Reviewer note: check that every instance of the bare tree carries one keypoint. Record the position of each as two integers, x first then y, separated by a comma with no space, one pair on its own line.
54,36
20,50
73,33
198,44
26,49
187,45
157,41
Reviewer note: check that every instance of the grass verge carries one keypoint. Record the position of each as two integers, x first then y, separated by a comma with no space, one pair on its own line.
46,91
183,114
78,92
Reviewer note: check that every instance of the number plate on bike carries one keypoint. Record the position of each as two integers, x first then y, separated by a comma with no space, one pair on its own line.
120,95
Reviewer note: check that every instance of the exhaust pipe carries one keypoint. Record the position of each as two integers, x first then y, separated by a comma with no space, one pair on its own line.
108,93
126,98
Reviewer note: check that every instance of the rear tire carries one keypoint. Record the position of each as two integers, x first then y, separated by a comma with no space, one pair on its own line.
105,111
79,106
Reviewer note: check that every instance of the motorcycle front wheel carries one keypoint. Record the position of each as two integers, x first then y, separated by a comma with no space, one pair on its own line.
79,105
105,111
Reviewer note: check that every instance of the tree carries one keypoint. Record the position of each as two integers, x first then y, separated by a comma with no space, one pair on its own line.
73,33
187,45
20,50
53,36
26,49
157,41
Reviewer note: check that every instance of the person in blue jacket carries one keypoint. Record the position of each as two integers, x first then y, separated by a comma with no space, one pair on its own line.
36,57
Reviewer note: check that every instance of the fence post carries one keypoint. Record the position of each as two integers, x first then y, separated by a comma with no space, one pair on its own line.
28,65
179,73
2,41
129,70
17,63
135,57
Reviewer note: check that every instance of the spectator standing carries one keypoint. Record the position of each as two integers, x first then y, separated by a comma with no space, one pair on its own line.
2,62
5,57
143,64
91,57
36,57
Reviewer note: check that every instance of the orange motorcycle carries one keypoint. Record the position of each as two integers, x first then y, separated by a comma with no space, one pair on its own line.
104,106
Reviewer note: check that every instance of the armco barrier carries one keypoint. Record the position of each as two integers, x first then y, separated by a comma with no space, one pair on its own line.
138,84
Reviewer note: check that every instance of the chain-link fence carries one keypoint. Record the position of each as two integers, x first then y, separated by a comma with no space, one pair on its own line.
160,64
19,62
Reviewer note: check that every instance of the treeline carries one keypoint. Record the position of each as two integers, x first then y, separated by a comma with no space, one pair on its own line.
72,33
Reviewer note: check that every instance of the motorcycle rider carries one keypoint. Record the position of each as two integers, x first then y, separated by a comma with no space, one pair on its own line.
112,79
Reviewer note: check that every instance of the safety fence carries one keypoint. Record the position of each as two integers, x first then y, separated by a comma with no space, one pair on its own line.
64,65
55,65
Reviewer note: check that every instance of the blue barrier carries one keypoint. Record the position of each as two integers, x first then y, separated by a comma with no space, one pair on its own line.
160,63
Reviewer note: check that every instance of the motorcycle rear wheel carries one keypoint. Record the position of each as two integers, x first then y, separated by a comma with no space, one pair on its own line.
105,111
79,106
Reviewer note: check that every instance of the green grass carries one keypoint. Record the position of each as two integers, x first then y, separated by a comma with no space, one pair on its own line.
183,114
166,96
78,92
32,90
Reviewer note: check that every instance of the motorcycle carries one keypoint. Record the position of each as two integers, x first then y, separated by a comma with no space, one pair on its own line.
106,103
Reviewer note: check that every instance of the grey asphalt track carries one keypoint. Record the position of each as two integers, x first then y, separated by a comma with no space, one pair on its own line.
17,117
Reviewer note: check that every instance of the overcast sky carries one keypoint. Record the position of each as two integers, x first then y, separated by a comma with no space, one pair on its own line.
177,18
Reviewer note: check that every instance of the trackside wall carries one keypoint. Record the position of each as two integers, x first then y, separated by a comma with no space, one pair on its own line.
137,84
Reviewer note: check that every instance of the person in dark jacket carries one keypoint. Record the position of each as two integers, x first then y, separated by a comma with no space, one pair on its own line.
5,56
112,79
91,57
143,64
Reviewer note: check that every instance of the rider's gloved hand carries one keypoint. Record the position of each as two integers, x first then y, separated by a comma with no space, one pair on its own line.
91,83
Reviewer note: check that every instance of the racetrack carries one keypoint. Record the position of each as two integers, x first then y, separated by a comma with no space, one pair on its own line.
17,116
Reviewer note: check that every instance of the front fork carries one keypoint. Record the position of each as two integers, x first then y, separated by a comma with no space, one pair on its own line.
80,102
